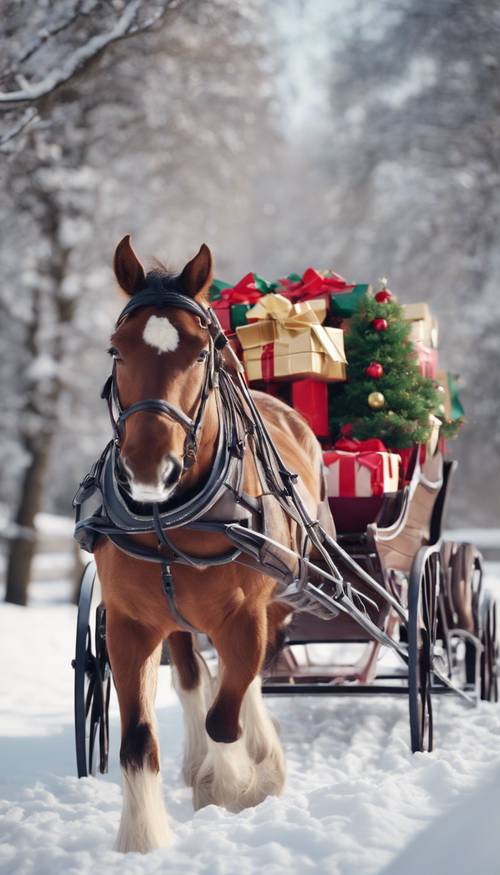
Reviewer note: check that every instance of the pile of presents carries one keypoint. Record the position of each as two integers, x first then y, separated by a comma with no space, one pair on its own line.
290,336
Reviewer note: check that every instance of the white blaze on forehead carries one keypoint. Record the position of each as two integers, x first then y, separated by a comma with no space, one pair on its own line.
160,333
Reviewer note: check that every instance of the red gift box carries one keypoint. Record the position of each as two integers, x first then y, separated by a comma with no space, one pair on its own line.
244,292
408,458
361,469
310,399
427,358
223,314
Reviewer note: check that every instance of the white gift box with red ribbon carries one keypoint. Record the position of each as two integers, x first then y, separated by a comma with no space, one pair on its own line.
361,474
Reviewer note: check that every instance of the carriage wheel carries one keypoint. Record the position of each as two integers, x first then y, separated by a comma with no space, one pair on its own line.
460,600
92,678
489,656
422,627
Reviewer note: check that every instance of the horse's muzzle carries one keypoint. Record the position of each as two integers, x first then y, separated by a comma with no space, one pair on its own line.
168,476
173,470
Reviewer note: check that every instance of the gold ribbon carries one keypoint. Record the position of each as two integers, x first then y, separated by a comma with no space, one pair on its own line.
289,315
293,319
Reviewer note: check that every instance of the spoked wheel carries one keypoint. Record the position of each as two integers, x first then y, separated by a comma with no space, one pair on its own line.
489,655
92,679
422,625
460,599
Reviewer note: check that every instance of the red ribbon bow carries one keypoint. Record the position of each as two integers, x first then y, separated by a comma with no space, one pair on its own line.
244,292
313,284
353,445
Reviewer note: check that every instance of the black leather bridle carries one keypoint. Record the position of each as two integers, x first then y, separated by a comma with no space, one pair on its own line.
217,341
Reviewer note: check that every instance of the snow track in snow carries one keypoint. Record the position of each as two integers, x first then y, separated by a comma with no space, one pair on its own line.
355,798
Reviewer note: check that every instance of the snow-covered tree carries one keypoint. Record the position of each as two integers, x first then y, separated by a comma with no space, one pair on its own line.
132,127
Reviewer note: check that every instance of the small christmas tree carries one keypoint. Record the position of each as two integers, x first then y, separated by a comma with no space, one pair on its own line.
385,395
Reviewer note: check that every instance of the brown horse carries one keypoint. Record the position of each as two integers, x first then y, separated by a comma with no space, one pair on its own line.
232,755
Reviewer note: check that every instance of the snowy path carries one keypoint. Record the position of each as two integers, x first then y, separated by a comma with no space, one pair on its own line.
355,798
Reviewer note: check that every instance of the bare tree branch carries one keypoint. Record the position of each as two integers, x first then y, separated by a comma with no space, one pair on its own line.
28,116
82,57
41,38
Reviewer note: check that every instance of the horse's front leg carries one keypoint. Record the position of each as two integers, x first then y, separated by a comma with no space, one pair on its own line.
194,686
135,652
244,763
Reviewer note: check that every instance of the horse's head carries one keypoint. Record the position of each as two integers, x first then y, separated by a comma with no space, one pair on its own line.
159,353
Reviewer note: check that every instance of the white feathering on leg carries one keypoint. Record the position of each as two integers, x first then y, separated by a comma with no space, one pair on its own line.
227,777
262,741
144,823
241,774
195,704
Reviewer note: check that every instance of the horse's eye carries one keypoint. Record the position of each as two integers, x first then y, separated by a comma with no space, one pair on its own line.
113,352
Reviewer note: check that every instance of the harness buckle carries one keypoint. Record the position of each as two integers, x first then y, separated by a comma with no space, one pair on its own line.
237,448
190,450
166,579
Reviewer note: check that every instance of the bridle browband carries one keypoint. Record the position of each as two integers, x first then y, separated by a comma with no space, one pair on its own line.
217,341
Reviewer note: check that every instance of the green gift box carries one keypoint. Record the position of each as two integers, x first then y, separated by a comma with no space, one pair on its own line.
282,284
215,290
263,286
345,304
453,409
239,314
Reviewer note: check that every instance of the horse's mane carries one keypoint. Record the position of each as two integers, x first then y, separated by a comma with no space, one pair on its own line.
161,279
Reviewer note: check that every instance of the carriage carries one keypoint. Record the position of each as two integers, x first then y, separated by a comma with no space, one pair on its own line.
388,581
447,625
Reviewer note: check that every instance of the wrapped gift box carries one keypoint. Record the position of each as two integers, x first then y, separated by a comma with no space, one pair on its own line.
279,308
345,304
265,363
453,409
216,290
288,340
408,457
314,283
363,473
310,399
427,358
232,303
219,303
424,328
341,298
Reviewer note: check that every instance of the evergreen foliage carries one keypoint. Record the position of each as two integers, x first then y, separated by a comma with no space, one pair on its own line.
450,428
409,397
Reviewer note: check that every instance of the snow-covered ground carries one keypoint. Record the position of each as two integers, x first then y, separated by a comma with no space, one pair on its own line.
356,800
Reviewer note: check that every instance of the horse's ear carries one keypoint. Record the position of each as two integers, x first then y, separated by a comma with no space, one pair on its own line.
128,269
197,275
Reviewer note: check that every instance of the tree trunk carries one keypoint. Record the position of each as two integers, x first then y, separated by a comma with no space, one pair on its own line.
23,545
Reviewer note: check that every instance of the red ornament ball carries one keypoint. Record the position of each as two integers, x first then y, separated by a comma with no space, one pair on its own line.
374,370
380,324
383,296
346,430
